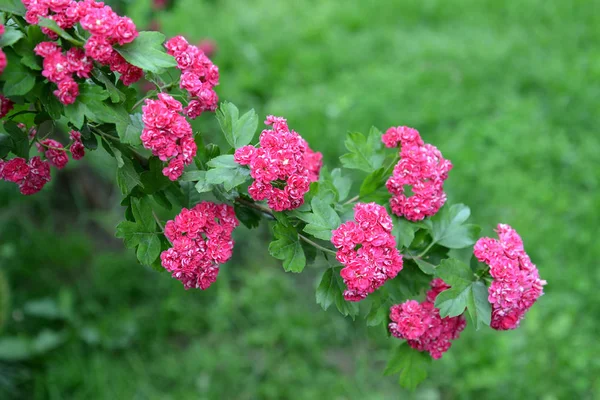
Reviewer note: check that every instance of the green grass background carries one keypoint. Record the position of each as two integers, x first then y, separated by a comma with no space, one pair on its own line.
509,91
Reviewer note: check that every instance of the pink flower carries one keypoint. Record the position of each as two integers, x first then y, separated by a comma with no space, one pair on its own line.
15,170
5,106
54,152
282,167
422,326
517,285
201,239
422,168
199,76
77,148
168,134
376,260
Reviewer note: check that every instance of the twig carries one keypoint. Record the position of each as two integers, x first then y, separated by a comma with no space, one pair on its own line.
315,245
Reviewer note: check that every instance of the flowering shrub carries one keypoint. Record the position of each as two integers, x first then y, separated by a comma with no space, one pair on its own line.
406,255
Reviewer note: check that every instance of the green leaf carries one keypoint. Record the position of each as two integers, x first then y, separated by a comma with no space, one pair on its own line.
452,302
6,145
331,290
53,26
89,104
11,36
238,131
224,161
341,183
20,140
377,315
372,182
478,305
227,172
190,196
411,364
53,107
247,216
142,212
287,247
229,177
455,272
131,133
13,6
148,249
321,221
15,348
116,96
153,180
202,186
18,79
364,151
424,266
192,176
47,340
147,52
129,232
404,231
127,177
448,228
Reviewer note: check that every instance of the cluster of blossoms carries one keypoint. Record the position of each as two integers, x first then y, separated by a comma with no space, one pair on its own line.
376,260
56,154
60,67
29,176
422,168
2,55
421,325
516,284
5,106
106,29
282,167
201,239
199,76
168,134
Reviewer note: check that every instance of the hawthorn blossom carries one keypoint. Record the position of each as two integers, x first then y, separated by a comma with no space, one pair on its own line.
5,106
3,60
29,176
282,167
54,151
517,285
201,239
421,168
199,76
376,260
421,325
168,134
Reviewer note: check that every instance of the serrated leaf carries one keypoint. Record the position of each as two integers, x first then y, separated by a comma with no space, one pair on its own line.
129,232
148,248
19,139
18,79
403,231
411,364
13,6
189,195
6,144
11,36
331,290
229,177
424,266
341,183
127,177
364,151
53,26
224,161
455,272
287,247
142,212
147,52
377,314
115,94
478,305
247,216
130,133
448,228
153,180
452,302
321,221
372,182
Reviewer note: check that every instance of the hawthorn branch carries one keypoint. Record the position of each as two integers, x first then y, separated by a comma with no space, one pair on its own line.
316,245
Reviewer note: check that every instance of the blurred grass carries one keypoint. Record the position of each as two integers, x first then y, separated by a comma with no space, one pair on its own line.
507,90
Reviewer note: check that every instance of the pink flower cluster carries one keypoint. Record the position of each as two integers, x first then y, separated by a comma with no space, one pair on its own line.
5,106
376,260
29,176
516,284
56,154
199,76
59,68
168,134
106,29
422,168
201,239
2,55
282,167
421,325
